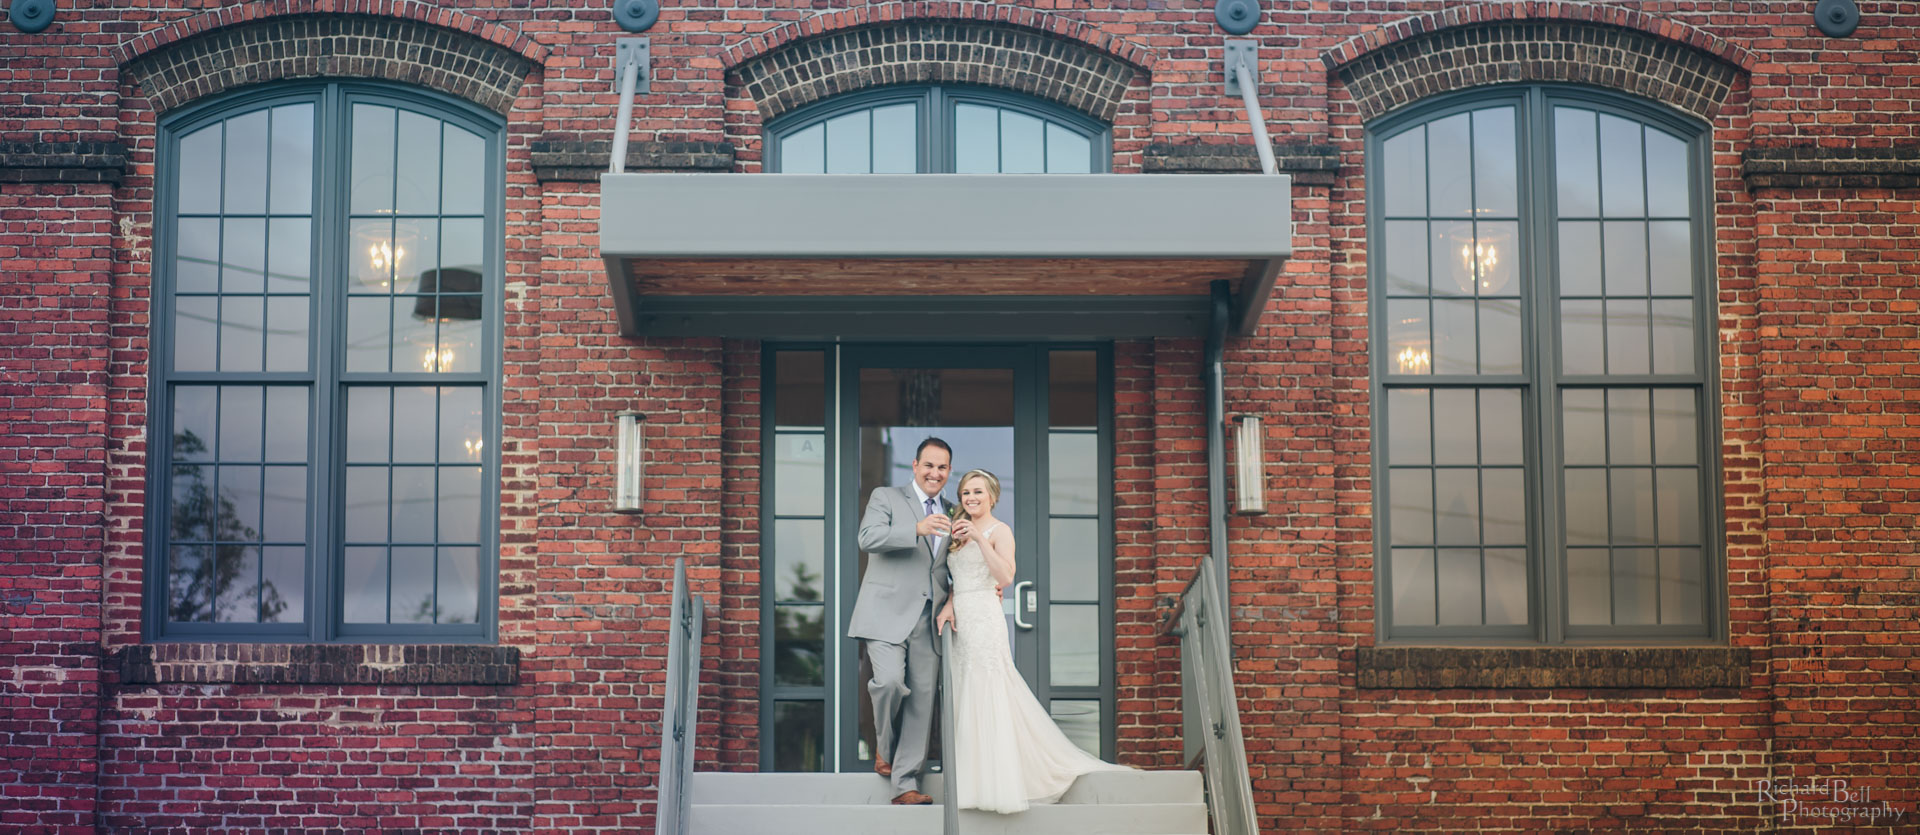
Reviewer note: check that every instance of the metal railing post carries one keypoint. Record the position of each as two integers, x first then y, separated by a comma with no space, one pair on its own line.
949,776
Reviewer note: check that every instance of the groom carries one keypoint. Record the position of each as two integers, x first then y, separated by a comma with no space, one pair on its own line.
905,532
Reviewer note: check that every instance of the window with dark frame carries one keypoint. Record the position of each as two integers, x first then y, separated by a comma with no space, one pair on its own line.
908,130
1543,346
325,368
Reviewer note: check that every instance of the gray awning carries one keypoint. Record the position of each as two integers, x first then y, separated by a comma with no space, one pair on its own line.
1027,256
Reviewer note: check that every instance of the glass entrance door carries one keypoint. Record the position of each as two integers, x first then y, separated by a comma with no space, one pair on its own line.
1034,416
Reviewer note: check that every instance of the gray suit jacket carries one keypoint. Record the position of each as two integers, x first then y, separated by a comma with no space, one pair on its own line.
902,574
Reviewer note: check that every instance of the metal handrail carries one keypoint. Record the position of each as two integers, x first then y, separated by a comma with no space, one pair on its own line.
949,776
680,715
1211,706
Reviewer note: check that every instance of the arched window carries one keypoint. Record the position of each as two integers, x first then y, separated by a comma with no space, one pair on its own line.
1542,336
326,338
913,130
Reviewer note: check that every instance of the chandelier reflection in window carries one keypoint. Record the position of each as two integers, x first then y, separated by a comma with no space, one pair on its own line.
462,305
1482,267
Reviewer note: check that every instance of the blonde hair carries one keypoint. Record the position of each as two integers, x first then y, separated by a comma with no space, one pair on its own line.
993,495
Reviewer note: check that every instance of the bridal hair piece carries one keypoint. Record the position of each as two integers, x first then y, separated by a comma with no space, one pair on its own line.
993,497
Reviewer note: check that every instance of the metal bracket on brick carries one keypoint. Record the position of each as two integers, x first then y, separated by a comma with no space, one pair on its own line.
636,50
1240,52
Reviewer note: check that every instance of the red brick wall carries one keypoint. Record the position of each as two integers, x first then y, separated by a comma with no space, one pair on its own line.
1817,306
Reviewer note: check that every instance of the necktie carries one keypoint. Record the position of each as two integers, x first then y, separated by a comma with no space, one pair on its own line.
933,540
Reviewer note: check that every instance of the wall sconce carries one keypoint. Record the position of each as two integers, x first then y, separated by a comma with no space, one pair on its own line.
1249,467
629,462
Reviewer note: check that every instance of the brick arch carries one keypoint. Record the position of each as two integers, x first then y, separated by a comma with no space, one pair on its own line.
1495,43
219,51
1034,52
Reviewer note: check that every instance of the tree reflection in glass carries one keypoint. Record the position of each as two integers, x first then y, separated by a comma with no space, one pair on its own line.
204,522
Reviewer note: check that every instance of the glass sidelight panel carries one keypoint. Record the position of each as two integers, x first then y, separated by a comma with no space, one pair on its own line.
795,574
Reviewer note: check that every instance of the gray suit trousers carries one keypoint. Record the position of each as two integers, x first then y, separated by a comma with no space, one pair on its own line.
905,677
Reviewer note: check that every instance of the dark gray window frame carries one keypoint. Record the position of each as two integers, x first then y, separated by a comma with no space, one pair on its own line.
1540,381
1032,376
326,376
936,118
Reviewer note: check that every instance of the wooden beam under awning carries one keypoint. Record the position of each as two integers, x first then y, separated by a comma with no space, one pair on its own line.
1028,256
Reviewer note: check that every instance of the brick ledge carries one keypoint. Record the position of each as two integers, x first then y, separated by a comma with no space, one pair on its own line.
1819,166
1433,668
207,663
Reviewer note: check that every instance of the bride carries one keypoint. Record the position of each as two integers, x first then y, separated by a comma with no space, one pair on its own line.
1006,751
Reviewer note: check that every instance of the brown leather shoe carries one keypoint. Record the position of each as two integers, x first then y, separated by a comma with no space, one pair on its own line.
882,767
912,798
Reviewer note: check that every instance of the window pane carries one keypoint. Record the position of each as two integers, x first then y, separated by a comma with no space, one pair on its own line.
1496,250
1576,162
1456,503
239,504
1404,168
283,584
364,581
1579,258
196,255
1501,435
1586,506
1458,572
458,593
1406,257
370,190
242,333
799,571
413,517
805,151
1500,336
410,593
799,474
896,139
1408,438
194,333
1675,432
1681,587
1408,339
1411,516
1626,258
1679,504
241,427
461,425
799,645
1628,427
1583,426
198,181
976,139
416,256
366,504
1673,345
287,333
1589,587
1667,178
1413,587
371,255
243,257
1072,563
1068,153
1622,188
292,164
1073,394
417,165
1505,493
368,413
799,736
284,510
246,164
1072,470
1022,144
1635,586
1455,337
1581,335
1074,641
1628,337
461,491
1449,167
414,423
849,144
1671,248
190,584
1495,162
194,415
1079,719
369,333
415,342
289,255
800,380
462,161
236,583
1454,427
1506,570
1453,258
1632,506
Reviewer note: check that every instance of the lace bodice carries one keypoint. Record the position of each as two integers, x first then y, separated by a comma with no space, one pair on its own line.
969,565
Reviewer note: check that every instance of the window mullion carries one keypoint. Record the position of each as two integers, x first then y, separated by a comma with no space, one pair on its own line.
1546,466
329,304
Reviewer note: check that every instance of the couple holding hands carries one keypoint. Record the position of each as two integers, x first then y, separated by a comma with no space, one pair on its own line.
928,573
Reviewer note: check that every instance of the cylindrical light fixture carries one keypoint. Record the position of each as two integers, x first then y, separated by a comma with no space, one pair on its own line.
630,463
1249,467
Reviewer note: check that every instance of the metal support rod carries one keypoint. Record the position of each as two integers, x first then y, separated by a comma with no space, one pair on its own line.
629,81
1250,93
1217,433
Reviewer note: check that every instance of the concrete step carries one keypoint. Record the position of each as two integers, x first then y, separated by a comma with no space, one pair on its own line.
1104,819
786,789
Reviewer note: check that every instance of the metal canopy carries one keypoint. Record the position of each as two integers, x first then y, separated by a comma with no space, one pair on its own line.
877,255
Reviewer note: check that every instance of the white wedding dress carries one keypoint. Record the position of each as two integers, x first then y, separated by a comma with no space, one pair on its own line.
1006,753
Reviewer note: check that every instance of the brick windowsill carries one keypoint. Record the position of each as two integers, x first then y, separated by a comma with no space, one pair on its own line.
1433,668
194,663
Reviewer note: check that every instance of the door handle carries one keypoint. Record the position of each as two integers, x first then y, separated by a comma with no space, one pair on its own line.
1023,602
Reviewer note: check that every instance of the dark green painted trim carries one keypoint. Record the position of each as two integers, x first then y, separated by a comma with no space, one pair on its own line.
902,318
